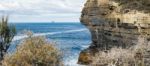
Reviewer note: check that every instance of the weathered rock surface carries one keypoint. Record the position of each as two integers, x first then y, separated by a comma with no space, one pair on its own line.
114,23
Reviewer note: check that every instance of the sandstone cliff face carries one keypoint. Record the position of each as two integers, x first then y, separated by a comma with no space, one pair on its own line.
114,23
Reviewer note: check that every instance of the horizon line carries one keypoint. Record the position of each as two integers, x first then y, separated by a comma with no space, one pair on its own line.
44,22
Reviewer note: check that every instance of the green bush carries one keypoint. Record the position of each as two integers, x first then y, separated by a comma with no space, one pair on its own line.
7,32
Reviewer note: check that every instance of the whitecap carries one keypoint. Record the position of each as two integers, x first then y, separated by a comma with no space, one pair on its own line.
19,37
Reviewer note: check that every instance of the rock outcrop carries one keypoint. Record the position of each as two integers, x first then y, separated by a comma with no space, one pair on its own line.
114,23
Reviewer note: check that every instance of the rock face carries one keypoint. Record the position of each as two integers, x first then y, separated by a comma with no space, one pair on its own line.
114,23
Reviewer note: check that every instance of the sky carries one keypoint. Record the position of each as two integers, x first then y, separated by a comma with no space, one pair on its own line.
42,10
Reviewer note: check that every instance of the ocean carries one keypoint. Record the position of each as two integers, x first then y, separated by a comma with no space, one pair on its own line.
70,38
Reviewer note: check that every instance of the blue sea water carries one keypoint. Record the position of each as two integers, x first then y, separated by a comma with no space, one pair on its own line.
70,38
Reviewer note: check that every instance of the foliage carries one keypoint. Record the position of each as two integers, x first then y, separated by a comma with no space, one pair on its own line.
137,55
7,32
34,51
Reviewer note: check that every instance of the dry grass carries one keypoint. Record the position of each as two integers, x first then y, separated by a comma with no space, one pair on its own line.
34,51
134,56
114,57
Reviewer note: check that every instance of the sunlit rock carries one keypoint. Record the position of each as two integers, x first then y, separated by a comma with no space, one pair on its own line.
115,23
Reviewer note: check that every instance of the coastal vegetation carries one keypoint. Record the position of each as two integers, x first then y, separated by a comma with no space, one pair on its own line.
7,32
137,55
34,51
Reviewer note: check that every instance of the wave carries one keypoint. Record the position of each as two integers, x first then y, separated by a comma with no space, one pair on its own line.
72,62
49,33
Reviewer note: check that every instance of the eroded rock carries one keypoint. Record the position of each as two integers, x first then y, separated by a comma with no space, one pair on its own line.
115,23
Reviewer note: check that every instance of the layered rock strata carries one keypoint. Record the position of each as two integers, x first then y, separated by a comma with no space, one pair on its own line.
114,23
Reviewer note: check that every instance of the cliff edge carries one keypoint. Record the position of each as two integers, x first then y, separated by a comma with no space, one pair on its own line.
114,23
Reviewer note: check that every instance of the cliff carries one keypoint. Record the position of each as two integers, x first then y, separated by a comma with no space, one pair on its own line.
114,23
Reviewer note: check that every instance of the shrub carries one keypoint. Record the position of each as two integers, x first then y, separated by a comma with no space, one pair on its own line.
7,32
137,55
34,51
116,57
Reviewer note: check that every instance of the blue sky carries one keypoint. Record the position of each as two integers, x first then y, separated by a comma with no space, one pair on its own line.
42,10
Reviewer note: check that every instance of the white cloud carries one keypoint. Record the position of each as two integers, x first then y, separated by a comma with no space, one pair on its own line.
29,10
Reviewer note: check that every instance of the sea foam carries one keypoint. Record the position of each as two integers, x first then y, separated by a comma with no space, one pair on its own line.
19,37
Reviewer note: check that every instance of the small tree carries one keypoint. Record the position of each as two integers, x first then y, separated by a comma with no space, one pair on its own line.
7,32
